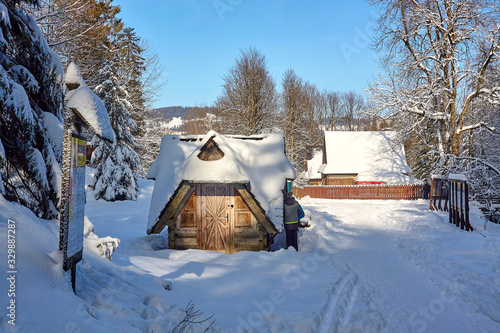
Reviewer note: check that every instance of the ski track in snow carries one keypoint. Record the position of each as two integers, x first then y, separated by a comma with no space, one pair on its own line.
362,266
396,255
340,304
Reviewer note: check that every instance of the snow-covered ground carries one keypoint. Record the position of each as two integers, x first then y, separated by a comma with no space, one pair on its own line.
176,122
363,266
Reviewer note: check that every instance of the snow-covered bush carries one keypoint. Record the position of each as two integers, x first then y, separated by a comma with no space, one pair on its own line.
103,246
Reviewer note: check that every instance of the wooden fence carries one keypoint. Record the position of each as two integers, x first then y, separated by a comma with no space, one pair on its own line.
451,194
363,192
439,194
459,202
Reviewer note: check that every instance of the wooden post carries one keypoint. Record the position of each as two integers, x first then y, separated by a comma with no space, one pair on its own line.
73,278
462,205
450,195
459,202
468,227
432,194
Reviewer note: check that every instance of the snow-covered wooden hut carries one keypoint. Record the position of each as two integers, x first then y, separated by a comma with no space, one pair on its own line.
221,193
357,158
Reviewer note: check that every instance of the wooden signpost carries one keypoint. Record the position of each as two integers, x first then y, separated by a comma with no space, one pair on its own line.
73,203
83,109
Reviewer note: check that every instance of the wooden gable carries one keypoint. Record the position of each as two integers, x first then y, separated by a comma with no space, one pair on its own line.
210,151
173,207
216,217
255,207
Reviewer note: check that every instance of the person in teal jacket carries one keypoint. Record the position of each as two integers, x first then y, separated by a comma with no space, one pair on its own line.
293,213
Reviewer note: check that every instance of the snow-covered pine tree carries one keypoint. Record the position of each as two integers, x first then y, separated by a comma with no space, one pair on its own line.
132,67
31,81
83,31
116,162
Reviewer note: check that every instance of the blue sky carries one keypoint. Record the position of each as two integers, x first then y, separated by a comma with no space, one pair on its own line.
197,41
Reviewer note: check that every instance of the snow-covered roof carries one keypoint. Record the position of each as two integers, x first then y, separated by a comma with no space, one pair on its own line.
90,107
457,176
73,75
373,156
259,160
314,163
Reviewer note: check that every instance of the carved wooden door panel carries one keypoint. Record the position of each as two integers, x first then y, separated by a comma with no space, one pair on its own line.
216,214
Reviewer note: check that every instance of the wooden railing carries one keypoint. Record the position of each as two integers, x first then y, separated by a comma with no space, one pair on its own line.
459,202
363,192
451,194
439,193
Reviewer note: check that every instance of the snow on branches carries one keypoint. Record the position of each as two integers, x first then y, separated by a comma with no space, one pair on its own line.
116,162
31,82
442,79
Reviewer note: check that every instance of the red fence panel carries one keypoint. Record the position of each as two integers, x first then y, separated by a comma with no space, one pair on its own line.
361,192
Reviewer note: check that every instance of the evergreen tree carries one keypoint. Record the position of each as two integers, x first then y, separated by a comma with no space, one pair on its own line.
89,33
114,178
81,31
31,82
132,68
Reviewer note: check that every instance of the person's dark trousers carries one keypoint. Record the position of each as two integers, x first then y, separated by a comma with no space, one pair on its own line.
291,239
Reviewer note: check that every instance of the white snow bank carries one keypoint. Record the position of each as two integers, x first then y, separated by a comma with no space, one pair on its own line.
103,246
363,266
90,107
261,161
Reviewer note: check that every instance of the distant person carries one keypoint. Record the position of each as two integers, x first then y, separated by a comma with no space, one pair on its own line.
427,189
293,212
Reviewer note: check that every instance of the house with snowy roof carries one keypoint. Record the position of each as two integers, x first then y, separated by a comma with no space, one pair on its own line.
357,158
220,193
314,159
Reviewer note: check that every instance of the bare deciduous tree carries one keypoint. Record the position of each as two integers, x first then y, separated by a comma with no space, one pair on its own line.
352,106
249,99
440,59
291,116
333,111
435,55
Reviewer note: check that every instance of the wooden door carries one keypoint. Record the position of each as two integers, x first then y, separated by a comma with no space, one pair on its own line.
216,214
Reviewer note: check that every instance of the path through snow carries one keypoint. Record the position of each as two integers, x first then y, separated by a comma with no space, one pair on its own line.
415,269
363,266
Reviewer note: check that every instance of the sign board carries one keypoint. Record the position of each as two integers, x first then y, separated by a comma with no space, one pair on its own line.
75,227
